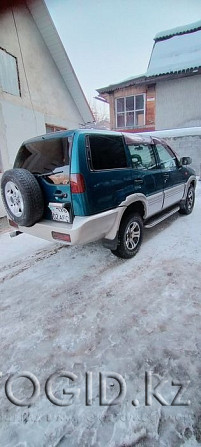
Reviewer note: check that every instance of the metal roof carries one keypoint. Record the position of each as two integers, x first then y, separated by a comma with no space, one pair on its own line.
178,30
47,29
134,80
176,53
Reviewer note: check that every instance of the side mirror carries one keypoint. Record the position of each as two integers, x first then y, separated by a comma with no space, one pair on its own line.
186,161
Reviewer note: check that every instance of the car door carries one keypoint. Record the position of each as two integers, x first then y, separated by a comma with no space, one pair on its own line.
173,179
146,175
109,179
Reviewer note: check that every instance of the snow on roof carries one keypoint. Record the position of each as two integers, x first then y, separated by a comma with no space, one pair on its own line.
175,50
180,52
121,84
173,133
179,30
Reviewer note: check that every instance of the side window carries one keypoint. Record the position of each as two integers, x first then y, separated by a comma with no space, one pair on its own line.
107,152
166,157
142,156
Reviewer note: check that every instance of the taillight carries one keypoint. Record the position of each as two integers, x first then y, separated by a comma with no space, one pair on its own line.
61,236
77,183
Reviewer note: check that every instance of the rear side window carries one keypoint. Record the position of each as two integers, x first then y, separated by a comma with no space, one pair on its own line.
107,152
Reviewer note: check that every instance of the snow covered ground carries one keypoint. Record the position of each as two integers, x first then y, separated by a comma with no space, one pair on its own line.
81,309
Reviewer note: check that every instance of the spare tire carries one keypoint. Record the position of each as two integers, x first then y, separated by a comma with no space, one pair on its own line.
22,196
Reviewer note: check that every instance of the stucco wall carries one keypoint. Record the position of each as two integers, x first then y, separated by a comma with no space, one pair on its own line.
178,103
44,95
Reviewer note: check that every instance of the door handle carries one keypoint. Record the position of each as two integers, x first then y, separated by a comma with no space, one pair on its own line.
166,177
60,195
139,181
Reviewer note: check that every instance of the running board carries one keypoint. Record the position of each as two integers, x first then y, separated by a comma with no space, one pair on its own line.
155,221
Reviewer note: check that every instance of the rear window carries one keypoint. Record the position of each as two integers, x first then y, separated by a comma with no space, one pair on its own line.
107,152
44,156
47,156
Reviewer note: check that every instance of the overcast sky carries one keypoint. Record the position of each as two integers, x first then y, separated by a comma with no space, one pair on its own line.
108,41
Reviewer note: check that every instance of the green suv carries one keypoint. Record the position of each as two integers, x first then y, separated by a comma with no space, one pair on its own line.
84,185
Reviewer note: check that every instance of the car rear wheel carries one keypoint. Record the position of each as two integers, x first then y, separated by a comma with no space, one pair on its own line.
188,205
22,196
130,236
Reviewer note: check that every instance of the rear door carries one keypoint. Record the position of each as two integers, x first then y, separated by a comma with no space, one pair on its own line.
146,175
110,180
48,158
173,178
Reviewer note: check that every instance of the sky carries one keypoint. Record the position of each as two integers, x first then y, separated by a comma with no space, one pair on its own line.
108,41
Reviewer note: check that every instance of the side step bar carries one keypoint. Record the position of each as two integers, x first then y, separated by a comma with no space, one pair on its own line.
154,221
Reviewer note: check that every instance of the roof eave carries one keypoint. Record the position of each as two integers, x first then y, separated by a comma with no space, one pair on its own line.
152,79
113,87
48,31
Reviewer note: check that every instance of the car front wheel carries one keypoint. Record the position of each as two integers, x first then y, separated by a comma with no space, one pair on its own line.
188,205
130,236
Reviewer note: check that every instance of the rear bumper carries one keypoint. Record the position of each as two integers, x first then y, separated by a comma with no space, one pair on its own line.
82,230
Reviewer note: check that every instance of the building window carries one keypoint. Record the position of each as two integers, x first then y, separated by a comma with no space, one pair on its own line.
130,111
51,128
9,79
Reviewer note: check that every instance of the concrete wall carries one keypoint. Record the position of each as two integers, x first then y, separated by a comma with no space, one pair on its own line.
178,103
44,95
188,146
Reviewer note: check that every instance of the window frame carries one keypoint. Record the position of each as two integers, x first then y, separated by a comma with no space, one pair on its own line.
134,111
17,73
89,155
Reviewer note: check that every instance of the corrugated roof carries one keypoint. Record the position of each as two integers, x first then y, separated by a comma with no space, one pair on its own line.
53,42
176,53
134,80
178,30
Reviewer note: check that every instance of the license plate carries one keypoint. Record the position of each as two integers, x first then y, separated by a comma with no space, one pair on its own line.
60,214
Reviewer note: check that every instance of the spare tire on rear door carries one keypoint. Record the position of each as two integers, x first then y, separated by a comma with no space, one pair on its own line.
22,197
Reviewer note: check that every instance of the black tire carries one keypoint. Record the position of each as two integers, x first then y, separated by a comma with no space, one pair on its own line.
22,197
128,246
187,206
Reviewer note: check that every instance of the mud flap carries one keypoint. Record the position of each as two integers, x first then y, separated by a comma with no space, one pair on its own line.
111,244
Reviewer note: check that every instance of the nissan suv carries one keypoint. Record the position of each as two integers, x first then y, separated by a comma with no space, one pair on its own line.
85,185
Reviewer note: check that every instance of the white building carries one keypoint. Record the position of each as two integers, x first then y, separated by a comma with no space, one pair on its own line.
39,90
